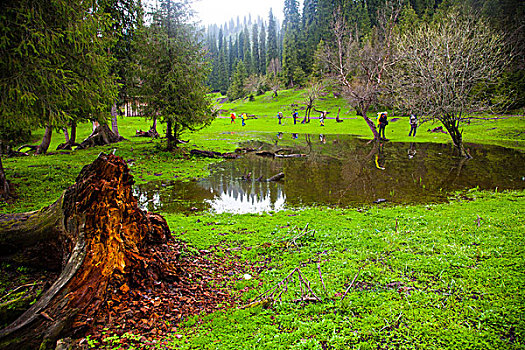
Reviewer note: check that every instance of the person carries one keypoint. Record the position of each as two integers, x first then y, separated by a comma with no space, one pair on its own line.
383,122
232,116
413,125
321,118
280,117
295,115
243,118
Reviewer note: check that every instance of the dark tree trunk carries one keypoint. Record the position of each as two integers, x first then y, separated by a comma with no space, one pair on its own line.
99,237
73,136
70,139
371,125
114,119
46,141
169,135
457,138
5,190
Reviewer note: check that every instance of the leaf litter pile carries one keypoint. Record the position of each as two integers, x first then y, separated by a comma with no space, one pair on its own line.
153,307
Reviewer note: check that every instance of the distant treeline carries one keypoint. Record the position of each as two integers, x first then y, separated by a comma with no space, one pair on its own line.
262,54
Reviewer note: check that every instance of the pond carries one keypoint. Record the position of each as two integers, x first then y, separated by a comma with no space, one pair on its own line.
337,170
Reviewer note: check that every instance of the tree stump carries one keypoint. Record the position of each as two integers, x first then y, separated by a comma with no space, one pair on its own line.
100,240
101,136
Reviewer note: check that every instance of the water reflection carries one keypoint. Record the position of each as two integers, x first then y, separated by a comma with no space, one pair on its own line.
339,170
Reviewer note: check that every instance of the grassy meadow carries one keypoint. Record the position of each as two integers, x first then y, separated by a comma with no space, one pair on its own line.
440,276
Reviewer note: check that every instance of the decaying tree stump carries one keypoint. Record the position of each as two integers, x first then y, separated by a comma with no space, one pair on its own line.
99,238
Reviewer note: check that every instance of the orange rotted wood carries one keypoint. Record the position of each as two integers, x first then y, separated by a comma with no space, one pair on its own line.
105,239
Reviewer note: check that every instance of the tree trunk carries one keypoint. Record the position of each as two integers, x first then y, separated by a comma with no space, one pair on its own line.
70,139
73,136
104,243
456,135
371,125
154,126
46,140
100,137
66,134
5,191
114,119
169,136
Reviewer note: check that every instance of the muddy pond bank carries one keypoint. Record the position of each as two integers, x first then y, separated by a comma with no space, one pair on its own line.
337,170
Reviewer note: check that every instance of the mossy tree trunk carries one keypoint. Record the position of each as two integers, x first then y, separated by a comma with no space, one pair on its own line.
99,238
5,190
46,140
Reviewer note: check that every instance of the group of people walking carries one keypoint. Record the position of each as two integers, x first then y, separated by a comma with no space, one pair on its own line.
382,121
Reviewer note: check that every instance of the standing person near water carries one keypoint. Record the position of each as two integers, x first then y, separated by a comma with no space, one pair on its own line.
413,125
295,115
383,122
280,117
243,118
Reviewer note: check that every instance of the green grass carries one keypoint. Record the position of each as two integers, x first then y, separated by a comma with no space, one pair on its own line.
505,131
439,280
447,276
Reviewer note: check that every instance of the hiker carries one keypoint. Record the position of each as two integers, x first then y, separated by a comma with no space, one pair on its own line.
383,122
243,118
321,118
232,117
413,125
295,115
280,117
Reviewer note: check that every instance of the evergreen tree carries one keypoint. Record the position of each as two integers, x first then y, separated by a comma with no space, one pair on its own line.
224,72
174,71
291,26
54,66
236,89
46,77
255,50
262,50
272,48
310,34
247,58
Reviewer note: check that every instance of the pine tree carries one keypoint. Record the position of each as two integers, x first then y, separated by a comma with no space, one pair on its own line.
262,50
174,72
255,50
236,89
291,27
247,57
311,36
272,49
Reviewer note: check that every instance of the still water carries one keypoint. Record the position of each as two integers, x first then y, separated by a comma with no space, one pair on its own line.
337,170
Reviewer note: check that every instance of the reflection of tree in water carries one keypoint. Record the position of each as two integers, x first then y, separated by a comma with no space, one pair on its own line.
342,171
174,196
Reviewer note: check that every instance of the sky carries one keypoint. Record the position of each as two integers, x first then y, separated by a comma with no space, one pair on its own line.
221,11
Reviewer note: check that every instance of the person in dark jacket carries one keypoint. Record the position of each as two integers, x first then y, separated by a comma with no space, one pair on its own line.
383,122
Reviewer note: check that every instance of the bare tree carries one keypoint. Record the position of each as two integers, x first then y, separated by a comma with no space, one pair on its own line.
440,67
273,71
310,96
358,64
